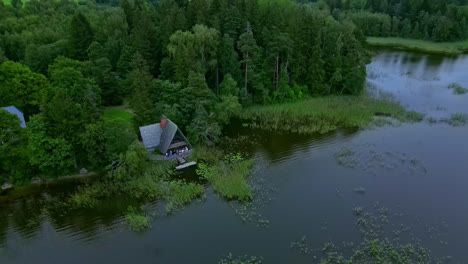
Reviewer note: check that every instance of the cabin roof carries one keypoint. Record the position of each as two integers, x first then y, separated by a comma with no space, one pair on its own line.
151,135
167,136
18,113
154,136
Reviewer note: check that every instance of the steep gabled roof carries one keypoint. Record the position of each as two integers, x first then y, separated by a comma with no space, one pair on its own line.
151,135
167,136
17,112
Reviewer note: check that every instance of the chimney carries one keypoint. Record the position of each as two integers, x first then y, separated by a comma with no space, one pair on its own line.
163,121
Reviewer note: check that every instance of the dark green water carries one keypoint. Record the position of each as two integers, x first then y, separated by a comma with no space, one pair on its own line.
418,171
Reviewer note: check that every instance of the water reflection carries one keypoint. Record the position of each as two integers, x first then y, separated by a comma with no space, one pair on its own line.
420,82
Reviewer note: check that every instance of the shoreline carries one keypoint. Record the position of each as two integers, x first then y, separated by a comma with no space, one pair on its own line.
439,48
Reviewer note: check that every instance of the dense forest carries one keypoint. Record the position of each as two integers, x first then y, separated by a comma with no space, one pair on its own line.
436,20
199,62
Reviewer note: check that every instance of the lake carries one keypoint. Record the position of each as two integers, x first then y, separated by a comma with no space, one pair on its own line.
305,190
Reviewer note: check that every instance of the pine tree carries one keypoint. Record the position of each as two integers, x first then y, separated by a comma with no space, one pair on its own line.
248,46
140,81
229,59
81,36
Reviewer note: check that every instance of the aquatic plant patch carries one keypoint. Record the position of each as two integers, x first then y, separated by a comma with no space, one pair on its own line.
180,193
457,89
458,120
345,157
229,176
383,241
371,161
137,220
326,114
230,259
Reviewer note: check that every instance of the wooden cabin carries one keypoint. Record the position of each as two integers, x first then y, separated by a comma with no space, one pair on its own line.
167,138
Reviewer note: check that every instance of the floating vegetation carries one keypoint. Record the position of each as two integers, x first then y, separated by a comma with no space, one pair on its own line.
370,160
137,220
263,223
229,177
360,190
458,120
240,260
383,241
432,120
457,88
263,194
345,157
302,245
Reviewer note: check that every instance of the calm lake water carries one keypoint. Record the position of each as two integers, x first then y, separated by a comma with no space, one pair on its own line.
419,172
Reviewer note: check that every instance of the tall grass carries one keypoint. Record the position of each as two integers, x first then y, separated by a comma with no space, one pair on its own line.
146,186
325,114
229,177
137,220
181,193
445,48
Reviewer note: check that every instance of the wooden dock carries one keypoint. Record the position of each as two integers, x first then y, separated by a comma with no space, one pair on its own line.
185,165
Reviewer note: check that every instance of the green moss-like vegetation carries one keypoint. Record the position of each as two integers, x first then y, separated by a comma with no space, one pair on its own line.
325,114
446,48
378,251
240,260
458,120
117,114
181,193
229,177
457,89
137,221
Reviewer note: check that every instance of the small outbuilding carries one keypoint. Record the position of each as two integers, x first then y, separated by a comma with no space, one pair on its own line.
15,111
165,137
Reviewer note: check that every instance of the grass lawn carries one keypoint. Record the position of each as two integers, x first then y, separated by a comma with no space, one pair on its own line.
446,48
117,114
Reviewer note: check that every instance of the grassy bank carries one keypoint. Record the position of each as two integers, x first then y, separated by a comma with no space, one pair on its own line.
325,114
445,48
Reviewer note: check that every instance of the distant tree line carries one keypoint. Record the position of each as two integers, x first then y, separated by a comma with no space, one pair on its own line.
198,62
435,20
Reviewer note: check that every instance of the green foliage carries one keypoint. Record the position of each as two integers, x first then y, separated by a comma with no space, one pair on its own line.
132,164
119,135
21,88
9,127
180,193
193,51
141,104
137,220
229,177
81,36
14,157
